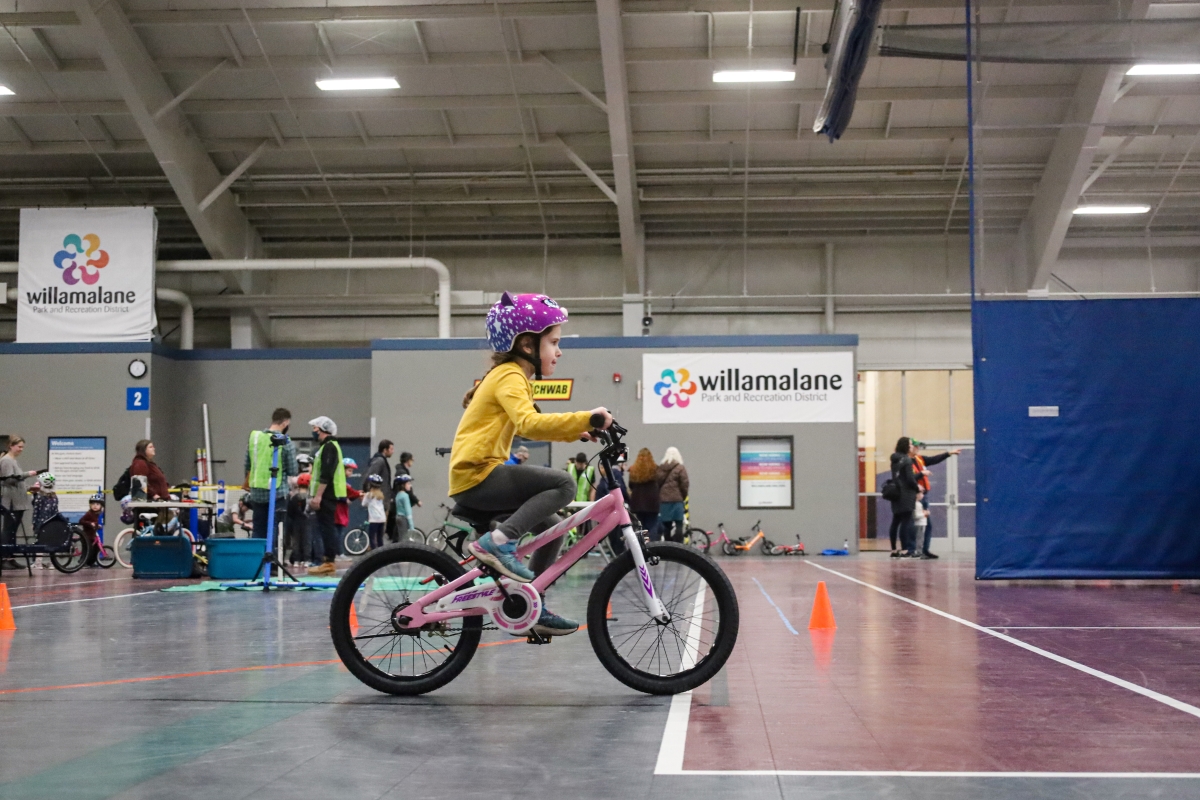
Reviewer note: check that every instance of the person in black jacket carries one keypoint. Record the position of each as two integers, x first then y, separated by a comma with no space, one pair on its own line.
902,507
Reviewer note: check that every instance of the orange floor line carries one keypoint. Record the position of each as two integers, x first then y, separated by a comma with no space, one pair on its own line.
229,671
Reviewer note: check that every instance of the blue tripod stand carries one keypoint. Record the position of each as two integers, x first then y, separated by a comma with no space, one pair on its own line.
278,440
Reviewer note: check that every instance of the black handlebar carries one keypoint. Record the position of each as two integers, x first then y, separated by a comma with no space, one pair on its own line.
442,451
597,421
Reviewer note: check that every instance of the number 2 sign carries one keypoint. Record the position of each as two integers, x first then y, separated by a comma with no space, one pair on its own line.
137,398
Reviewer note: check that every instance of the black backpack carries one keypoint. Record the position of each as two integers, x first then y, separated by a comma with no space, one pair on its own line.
123,485
890,490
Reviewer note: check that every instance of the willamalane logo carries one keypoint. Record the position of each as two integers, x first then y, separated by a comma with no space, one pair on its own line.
676,389
732,379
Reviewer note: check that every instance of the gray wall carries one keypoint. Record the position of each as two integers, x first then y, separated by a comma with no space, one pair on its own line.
241,394
826,459
78,394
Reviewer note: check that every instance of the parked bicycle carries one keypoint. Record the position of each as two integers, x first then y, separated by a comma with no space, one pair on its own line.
661,618
704,540
147,523
63,542
796,549
449,534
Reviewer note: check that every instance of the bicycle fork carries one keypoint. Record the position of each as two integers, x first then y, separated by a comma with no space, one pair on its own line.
635,545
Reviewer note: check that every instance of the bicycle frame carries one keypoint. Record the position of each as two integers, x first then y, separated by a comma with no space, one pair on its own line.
449,602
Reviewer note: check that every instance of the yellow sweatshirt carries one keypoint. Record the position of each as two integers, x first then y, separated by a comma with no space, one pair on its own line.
501,408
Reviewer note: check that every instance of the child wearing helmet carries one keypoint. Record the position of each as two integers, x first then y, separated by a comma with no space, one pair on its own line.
374,499
524,331
90,524
45,506
404,512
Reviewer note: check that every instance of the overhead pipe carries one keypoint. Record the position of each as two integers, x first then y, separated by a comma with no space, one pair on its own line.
303,264
187,317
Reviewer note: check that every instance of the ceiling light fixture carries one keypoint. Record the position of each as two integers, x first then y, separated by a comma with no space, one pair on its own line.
356,84
1110,210
4,90
754,76
1164,69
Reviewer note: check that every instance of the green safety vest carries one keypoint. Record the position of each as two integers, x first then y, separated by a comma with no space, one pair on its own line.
260,461
339,474
583,481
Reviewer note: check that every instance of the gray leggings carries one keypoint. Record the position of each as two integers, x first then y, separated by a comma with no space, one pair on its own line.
536,492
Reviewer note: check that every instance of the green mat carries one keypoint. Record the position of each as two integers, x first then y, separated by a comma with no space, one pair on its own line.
310,584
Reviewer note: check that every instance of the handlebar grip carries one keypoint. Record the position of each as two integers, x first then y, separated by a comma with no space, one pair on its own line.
596,421
442,451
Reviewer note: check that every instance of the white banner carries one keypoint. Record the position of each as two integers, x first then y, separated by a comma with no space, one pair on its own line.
748,387
86,275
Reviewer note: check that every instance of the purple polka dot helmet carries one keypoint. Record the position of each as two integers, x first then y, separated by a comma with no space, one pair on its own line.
521,313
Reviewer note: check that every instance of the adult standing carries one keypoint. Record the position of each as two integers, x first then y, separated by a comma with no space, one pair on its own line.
905,502
643,492
673,490
13,493
259,457
921,466
584,478
144,466
327,489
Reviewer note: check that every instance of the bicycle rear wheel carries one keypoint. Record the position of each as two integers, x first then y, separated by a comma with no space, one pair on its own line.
671,657
436,538
697,539
728,549
73,554
413,536
356,542
375,650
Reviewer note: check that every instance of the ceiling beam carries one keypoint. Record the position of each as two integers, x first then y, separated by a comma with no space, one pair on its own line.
620,137
192,173
383,13
1042,232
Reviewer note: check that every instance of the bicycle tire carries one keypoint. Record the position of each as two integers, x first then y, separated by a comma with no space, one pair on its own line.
75,556
436,538
121,547
413,536
617,613
728,549
767,546
698,540
374,611
356,542
106,557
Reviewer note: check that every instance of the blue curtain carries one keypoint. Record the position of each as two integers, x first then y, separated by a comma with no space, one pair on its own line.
1110,487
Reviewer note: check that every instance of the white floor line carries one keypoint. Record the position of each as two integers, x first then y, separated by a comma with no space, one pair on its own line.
1094,627
670,752
64,586
85,599
801,773
1178,705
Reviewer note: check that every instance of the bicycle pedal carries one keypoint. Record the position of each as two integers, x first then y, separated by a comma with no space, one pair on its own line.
536,638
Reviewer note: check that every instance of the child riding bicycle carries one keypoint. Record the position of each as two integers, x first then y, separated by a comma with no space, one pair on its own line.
524,332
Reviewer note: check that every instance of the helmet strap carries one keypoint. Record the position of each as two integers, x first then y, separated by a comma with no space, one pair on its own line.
535,359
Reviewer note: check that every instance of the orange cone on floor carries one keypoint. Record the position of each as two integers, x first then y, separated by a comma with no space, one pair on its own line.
6,618
353,619
822,613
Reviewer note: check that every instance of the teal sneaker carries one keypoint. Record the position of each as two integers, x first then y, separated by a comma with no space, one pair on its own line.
500,557
551,624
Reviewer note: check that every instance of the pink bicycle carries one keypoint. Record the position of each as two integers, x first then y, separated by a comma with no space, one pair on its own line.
661,618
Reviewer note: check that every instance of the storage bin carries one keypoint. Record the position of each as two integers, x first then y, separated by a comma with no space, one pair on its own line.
161,557
235,559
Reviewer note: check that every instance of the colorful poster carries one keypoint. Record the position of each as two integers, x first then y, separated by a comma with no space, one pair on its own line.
77,465
765,472
801,386
86,275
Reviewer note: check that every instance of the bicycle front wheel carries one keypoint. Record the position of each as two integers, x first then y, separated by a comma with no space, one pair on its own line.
105,555
728,548
697,539
122,547
73,555
413,536
657,657
436,539
377,651
356,542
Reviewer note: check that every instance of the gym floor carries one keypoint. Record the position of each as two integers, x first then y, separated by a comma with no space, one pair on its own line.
933,686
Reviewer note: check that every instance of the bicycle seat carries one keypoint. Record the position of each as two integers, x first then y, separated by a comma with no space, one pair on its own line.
481,521
149,516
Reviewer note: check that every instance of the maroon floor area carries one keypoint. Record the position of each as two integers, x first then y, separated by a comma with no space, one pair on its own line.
899,688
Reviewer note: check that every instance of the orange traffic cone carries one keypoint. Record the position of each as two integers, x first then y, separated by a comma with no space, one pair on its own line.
353,619
6,618
822,613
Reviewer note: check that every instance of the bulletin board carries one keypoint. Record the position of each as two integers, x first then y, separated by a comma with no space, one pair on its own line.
77,464
765,472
